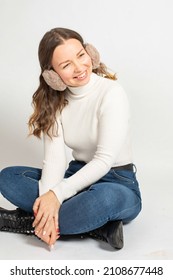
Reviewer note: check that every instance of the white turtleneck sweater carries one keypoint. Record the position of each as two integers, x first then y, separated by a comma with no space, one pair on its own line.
95,125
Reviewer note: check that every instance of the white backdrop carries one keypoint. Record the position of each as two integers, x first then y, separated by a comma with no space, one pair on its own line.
134,39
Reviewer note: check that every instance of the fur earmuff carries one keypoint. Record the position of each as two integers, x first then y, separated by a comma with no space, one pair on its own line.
54,80
94,54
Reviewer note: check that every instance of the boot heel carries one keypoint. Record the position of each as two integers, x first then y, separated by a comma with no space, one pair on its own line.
112,233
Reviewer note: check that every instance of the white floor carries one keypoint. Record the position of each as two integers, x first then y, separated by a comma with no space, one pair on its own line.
149,237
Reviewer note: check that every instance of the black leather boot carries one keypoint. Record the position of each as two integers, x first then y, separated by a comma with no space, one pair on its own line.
112,233
17,221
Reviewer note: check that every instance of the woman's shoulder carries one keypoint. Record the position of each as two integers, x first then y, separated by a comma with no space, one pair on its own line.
112,87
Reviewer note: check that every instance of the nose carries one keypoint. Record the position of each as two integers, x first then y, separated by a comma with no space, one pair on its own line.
77,66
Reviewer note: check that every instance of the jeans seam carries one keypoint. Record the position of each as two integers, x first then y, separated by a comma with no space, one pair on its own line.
32,179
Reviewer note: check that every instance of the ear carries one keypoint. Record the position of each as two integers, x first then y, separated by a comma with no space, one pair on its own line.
94,54
53,80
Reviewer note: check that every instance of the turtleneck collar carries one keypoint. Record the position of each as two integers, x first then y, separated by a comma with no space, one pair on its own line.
79,92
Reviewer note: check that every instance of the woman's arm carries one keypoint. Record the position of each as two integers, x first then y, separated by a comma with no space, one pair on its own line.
54,163
46,206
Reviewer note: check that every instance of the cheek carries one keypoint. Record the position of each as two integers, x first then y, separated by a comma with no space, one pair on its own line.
88,61
65,75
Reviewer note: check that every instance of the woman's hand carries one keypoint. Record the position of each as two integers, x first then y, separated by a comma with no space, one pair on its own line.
51,235
46,208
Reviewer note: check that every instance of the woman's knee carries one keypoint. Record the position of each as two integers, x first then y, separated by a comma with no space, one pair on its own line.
9,171
20,171
5,176
6,171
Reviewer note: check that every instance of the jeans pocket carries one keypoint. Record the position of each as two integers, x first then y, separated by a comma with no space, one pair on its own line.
128,179
124,176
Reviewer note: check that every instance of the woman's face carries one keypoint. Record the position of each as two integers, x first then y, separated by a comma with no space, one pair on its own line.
72,63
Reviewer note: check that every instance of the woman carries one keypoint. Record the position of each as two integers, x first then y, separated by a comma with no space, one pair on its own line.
79,104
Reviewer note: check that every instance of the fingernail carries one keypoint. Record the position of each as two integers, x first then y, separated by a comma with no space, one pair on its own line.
44,232
51,247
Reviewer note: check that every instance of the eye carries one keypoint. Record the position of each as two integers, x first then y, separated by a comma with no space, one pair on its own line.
82,54
66,65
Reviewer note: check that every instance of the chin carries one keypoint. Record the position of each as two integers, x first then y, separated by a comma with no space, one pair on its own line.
85,81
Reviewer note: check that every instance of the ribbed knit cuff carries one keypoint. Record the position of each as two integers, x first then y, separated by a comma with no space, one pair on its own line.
63,191
42,190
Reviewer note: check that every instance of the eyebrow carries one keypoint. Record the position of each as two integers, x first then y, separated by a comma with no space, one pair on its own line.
69,60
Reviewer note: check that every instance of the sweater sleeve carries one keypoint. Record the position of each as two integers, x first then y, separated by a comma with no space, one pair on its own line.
113,122
54,163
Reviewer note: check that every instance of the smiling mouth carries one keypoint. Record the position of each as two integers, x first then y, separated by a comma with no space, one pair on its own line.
82,76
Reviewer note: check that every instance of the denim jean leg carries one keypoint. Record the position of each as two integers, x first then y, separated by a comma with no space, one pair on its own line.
19,185
96,206
115,196
112,198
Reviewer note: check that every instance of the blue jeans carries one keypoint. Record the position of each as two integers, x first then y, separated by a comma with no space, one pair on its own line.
116,196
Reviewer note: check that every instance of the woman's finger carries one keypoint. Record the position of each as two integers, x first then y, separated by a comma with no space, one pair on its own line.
49,222
36,205
40,223
53,238
37,219
50,236
56,220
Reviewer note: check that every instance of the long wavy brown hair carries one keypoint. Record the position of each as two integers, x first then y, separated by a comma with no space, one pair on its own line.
47,101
